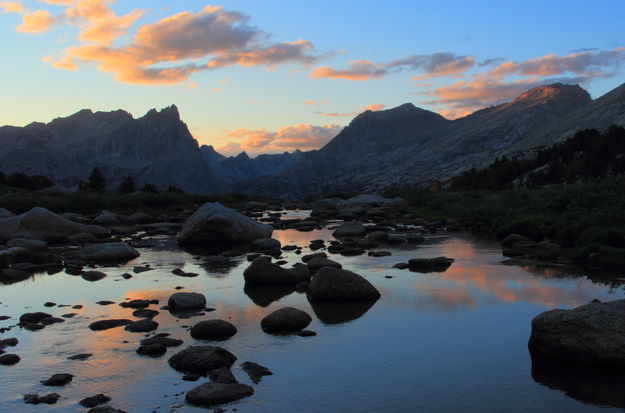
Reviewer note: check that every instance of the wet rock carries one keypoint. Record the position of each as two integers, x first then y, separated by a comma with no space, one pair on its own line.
331,284
33,326
112,252
201,359
93,401
51,398
81,356
152,350
379,253
213,330
186,301
162,340
57,380
141,268
142,326
350,229
69,315
105,302
49,304
306,333
265,244
255,371
145,313
214,223
316,264
191,377
10,276
126,276
221,375
285,320
378,236
28,318
108,324
426,265
8,342
105,409
136,304
9,359
51,320
401,265
93,276
263,271
309,257
181,273
351,251
590,334
210,394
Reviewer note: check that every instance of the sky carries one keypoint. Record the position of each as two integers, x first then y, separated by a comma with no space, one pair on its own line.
274,76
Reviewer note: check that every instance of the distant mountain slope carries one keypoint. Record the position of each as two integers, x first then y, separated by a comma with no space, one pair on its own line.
241,168
156,148
408,145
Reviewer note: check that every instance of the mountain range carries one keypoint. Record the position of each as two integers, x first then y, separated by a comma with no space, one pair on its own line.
399,146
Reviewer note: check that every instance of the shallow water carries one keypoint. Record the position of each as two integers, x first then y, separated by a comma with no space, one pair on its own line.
455,341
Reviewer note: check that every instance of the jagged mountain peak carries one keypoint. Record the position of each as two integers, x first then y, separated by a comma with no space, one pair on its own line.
170,112
554,91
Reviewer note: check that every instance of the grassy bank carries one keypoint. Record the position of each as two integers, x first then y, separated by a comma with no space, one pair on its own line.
19,201
587,218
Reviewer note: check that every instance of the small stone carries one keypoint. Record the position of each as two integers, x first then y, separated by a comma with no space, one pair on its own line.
93,401
59,379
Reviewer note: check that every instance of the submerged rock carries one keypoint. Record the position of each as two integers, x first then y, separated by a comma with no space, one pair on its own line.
332,284
590,334
215,223
425,265
210,394
285,320
255,371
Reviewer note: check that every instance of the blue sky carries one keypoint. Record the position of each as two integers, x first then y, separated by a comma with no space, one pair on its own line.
281,76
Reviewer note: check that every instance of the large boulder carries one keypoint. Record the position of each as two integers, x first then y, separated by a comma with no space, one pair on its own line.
591,334
263,271
215,223
201,359
112,252
333,284
317,263
350,229
285,320
186,301
42,224
210,394
106,218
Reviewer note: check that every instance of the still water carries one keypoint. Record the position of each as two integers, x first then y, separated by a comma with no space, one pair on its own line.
449,342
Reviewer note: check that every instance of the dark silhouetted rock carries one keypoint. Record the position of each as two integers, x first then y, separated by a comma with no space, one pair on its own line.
152,350
59,379
9,359
107,324
201,359
213,330
263,271
425,265
186,301
221,375
142,326
93,401
93,275
114,252
350,229
332,284
285,320
255,371
51,398
210,394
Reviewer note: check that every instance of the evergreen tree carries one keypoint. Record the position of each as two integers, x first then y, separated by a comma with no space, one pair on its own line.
97,183
127,186
150,188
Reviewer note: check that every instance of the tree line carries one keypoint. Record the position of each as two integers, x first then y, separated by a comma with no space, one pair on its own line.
97,183
588,154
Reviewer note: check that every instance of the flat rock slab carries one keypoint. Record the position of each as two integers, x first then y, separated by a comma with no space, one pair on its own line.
210,394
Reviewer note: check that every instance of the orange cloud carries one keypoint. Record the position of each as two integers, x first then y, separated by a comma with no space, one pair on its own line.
289,138
221,37
313,102
35,22
432,65
12,7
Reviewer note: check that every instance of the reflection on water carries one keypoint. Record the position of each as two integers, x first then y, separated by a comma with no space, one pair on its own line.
451,341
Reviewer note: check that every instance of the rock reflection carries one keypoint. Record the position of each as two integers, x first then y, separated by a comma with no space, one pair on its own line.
591,385
264,295
341,312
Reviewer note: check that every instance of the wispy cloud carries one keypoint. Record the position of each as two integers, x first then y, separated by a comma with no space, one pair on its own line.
432,65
